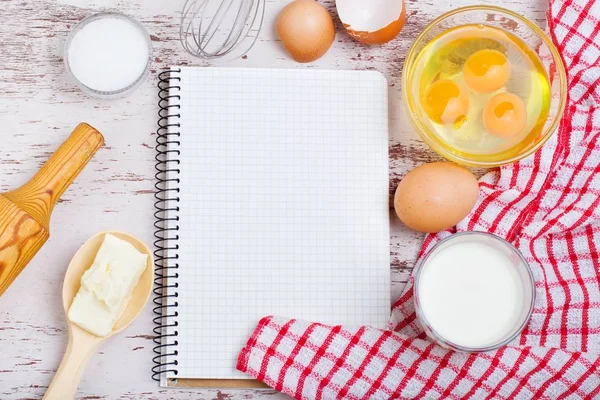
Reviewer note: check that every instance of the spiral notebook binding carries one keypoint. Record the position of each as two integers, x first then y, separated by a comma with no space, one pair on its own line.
167,230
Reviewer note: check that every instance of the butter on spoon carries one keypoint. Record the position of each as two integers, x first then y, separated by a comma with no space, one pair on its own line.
107,286
83,344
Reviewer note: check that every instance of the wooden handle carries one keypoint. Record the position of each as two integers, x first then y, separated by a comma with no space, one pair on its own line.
80,349
21,237
38,196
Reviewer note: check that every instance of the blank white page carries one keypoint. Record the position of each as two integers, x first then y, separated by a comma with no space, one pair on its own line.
283,206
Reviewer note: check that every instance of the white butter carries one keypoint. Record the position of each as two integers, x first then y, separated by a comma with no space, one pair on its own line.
107,286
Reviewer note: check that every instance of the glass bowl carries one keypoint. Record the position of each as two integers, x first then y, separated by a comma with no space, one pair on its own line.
508,21
523,272
108,55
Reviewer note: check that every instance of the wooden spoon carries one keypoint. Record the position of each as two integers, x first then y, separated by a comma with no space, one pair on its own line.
82,344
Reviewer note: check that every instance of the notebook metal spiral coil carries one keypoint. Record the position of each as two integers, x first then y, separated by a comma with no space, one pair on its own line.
166,232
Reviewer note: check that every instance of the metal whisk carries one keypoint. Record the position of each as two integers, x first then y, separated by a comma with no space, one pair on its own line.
215,28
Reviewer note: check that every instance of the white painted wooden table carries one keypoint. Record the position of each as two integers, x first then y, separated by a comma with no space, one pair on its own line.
39,107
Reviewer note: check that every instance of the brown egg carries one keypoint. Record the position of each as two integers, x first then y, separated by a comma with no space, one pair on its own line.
306,30
434,197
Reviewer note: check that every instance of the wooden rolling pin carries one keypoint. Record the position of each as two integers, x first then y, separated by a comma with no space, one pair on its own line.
25,212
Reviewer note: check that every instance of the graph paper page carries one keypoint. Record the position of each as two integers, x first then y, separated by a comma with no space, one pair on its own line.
283,206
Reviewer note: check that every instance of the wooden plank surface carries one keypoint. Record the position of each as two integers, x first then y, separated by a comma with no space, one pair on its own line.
39,107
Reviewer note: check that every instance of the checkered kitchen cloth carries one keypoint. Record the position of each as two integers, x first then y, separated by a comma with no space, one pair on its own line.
548,206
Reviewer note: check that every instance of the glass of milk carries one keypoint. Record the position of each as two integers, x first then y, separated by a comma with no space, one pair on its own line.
474,292
108,54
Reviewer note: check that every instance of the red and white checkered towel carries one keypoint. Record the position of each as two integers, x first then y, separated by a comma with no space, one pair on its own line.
548,206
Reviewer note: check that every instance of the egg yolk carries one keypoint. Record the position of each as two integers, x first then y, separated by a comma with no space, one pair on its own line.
505,115
486,71
445,102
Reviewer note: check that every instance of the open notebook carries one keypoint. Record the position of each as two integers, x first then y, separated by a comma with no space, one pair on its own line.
273,201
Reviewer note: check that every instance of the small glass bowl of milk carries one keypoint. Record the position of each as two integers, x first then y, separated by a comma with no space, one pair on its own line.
474,292
108,54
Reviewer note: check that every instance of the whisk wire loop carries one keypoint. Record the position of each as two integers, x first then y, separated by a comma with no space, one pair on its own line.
205,22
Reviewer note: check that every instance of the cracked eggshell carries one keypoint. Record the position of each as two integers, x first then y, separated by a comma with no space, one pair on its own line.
372,21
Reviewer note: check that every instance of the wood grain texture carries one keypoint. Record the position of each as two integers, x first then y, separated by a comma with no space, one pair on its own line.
217,383
21,236
39,195
40,105
25,212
